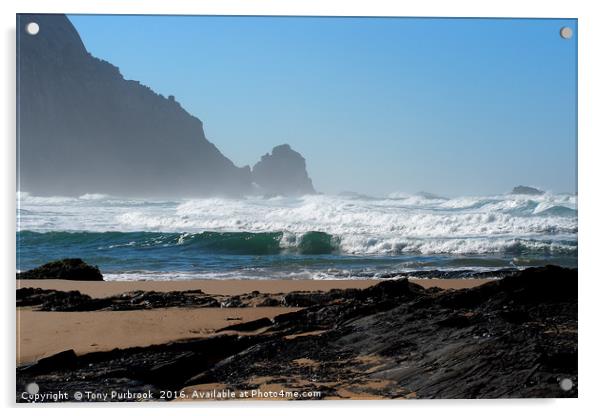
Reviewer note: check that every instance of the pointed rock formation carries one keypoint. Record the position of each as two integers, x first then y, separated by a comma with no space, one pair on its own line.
283,172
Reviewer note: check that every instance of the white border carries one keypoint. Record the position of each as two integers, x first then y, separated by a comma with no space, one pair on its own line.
590,113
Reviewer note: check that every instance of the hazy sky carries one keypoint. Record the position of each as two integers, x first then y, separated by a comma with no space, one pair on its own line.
376,105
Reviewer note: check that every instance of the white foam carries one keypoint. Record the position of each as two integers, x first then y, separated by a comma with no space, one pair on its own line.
92,197
398,224
258,274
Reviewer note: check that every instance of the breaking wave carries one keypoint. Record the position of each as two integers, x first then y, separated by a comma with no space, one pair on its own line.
318,236
313,242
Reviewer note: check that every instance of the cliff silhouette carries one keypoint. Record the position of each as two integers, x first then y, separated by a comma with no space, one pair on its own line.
83,128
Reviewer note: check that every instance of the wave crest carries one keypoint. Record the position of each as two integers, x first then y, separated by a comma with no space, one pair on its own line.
309,243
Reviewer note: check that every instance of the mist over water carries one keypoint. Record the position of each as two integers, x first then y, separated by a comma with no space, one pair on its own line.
314,236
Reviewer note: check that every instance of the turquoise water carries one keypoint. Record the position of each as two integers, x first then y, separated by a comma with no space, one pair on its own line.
308,237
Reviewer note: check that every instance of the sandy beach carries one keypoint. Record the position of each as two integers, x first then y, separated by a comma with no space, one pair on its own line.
41,334
343,339
230,287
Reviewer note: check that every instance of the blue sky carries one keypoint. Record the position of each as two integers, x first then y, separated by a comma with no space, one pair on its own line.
376,105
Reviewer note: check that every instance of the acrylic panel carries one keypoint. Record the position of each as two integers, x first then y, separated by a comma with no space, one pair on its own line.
288,207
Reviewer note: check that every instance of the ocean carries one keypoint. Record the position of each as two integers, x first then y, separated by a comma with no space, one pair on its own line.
309,237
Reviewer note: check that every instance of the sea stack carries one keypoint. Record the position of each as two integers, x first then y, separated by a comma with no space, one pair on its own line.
283,172
526,190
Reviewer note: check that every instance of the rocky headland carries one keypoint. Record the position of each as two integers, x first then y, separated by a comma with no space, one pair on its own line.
83,128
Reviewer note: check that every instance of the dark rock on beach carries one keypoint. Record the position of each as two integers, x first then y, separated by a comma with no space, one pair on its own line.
74,301
67,269
60,361
56,300
514,337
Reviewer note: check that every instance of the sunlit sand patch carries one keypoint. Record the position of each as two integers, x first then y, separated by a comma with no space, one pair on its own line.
372,363
348,394
43,334
306,362
561,329
305,334
372,389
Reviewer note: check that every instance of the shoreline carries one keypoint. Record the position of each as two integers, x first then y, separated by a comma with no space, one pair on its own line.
231,287
346,339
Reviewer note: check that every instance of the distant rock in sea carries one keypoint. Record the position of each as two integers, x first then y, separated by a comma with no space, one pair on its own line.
526,190
83,128
67,269
283,172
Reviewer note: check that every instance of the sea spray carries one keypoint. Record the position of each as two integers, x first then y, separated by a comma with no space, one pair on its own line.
317,236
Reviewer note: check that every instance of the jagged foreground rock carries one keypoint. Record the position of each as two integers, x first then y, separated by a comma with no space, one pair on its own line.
515,337
74,301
